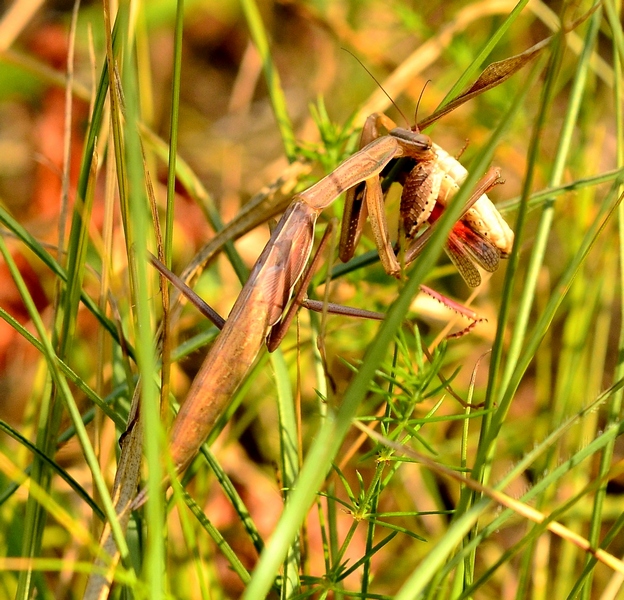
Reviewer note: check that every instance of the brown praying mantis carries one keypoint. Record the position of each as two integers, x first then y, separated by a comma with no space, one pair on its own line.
430,179
259,309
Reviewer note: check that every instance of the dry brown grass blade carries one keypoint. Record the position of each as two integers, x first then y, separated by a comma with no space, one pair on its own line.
492,76
498,72
15,20
124,490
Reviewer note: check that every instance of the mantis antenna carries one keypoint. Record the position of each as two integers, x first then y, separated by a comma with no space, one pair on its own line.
422,92
381,87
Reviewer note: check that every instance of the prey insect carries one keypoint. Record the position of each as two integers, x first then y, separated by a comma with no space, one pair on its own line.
481,236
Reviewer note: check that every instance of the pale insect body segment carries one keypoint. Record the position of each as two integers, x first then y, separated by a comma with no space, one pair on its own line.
482,216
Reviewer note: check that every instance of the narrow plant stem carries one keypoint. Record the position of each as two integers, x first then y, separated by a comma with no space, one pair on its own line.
289,451
370,532
170,212
259,37
615,406
545,225
173,140
138,222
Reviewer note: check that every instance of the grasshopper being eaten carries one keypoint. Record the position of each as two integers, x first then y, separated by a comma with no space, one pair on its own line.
481,236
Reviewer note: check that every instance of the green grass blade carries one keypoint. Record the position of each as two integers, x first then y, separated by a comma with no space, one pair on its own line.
69,403
271,75
472,71
289,450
